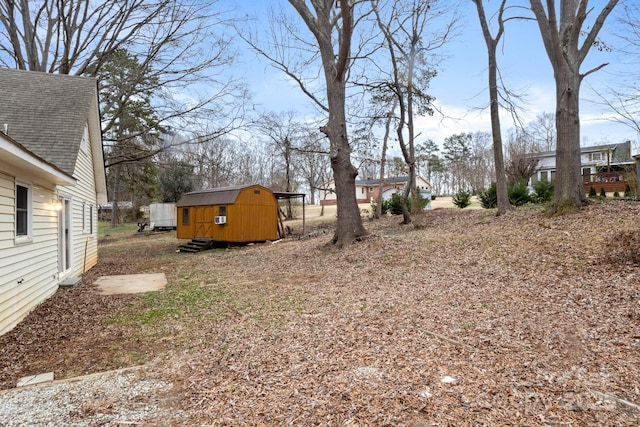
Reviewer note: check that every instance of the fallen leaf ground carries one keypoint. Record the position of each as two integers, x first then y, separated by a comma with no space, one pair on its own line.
533,320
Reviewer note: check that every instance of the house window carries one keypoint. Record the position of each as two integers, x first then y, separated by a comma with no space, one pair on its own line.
222,211
91,219
553,176
23,210
370,189
362,190
544,176
84,217
596,157
185,216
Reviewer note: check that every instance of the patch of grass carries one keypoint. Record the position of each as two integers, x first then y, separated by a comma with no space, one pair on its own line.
469,325
104,229
176,302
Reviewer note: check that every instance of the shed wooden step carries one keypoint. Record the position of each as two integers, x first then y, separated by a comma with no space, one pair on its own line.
196,245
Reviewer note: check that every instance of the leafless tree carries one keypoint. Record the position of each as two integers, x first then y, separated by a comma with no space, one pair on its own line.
285,135
331,24
403,25
494,103
542,131
313,163
383,160
567,44
178,45
481,168
521,161
623,99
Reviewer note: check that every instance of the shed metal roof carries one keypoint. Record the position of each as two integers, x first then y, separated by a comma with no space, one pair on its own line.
214,196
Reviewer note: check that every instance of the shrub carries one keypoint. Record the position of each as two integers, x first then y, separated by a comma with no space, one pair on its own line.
418,202
603,193
592,192
628,192
462,199
386,206
542,191
616,195
394,207
519,194
489,197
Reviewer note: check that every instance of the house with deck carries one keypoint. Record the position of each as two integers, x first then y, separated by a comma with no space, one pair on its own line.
609,167
52,180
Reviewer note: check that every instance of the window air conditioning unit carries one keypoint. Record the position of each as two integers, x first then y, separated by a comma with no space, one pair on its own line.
220,220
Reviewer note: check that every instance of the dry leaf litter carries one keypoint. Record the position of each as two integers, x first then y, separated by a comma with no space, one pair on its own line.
461,318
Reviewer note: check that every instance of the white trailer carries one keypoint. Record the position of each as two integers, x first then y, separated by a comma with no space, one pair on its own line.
162,216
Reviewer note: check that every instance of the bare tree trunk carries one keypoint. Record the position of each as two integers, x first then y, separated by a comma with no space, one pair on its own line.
561,40
115,213
568,187
335,64
287,159
498,157
383,161
349,223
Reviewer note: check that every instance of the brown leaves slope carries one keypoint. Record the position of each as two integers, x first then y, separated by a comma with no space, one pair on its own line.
534,318
551,321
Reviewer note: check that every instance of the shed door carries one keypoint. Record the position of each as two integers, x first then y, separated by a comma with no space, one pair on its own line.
204,218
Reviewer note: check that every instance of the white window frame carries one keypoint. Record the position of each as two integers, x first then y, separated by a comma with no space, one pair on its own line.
593,157
84,218
91,220
24,238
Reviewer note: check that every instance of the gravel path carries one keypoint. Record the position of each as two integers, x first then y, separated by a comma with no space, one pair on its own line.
129,396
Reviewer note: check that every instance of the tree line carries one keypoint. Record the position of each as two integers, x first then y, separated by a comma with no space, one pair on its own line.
174,117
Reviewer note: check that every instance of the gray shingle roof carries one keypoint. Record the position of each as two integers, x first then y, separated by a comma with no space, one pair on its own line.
46,113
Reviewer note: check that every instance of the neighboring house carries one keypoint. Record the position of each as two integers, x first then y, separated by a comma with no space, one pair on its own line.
367,189
239,214
603,166
52,180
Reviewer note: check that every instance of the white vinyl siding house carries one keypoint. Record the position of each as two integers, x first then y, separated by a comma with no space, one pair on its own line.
80,198
51,181
28,270
602,166
367,189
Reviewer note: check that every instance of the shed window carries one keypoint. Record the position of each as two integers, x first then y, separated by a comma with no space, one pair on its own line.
256,191
23,207
222,211
185,216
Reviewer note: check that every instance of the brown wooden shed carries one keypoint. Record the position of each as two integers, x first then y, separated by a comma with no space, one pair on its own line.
240,214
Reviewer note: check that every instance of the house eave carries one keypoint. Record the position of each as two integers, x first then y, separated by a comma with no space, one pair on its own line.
17,160
97,152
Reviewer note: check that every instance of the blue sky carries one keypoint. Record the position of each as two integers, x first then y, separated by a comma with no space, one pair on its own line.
460,87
